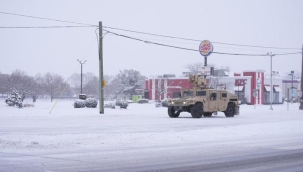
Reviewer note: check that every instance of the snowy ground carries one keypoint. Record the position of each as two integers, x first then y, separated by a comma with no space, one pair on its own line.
142,137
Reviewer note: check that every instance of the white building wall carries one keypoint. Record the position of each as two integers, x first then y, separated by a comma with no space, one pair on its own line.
248,91
275,81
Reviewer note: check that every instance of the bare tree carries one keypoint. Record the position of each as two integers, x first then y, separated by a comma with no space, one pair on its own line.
53,84
218,82
110,88
92,86
193,67
4,83
296,75
37,90
75,81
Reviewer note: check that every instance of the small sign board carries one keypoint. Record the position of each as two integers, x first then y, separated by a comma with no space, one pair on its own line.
205,70
206,48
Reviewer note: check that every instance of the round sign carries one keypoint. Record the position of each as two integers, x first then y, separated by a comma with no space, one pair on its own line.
206,48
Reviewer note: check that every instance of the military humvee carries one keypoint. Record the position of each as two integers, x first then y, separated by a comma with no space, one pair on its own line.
201,101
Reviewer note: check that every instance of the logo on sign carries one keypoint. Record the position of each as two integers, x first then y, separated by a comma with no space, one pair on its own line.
206,48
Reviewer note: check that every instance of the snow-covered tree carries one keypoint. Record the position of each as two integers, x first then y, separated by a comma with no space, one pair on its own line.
127,81
20,82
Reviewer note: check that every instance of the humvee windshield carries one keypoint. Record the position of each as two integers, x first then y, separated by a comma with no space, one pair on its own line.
188,93
201,93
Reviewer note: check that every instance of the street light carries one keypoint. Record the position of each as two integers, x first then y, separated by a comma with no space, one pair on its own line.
292,84
271,89
81,71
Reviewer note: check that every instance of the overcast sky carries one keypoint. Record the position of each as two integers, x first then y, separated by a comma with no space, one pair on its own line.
270,23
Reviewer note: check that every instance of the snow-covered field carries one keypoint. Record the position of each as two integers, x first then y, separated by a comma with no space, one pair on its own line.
140,137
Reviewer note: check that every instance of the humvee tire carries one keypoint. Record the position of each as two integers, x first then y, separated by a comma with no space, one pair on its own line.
197,110
207,114
172,113
230,110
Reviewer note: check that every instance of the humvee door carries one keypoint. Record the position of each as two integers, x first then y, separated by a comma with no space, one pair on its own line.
213,101
223,100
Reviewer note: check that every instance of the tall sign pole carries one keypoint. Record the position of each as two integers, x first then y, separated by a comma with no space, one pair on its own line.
101,98
205,49
301,101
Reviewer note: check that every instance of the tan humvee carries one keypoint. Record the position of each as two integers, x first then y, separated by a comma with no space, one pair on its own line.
203,101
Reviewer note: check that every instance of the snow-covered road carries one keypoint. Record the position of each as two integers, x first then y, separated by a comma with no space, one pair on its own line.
143,137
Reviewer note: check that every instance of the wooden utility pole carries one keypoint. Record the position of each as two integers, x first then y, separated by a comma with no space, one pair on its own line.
301,101
101,98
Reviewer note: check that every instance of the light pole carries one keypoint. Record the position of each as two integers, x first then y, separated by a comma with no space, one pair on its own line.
271,89
81,71
292,84
238,90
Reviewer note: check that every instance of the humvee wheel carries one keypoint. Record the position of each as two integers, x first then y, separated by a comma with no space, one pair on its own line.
197,110
207,114
172,112
230,110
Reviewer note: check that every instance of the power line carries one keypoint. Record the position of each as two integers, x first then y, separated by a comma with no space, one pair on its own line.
287,53
40,27
43,18
183,48
188,39
189,49
146,33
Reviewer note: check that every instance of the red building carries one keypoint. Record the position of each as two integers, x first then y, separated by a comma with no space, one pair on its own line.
252,87
161,88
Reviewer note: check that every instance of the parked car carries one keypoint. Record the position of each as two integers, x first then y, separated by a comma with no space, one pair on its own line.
164,103
122,103
141,101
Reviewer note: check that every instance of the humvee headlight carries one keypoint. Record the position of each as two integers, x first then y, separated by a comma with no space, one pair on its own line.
172,102
184,103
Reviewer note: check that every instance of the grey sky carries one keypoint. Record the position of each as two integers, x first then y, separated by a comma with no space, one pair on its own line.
276,23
